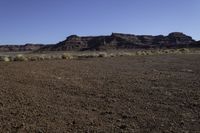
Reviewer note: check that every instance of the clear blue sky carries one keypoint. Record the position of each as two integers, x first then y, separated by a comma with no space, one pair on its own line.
50,21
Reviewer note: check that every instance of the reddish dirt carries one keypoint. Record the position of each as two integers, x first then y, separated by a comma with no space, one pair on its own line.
122,94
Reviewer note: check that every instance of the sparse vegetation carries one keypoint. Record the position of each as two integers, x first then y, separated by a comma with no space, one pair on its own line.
139,53
53,56
20,57
67,56
5,59
184,50
32,58
103,54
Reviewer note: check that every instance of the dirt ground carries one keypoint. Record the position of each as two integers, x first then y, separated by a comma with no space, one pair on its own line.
121,94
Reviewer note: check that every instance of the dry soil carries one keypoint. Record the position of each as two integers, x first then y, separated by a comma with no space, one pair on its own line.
121,94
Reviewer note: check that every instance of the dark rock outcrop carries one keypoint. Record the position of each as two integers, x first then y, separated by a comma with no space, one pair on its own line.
114,41
121,41
17,48
195,44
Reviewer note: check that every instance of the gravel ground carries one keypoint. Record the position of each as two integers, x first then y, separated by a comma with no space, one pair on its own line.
120,94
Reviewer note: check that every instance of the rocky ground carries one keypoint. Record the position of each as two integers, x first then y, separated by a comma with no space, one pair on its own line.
120,94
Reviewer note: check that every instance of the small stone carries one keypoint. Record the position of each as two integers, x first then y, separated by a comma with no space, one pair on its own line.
123,127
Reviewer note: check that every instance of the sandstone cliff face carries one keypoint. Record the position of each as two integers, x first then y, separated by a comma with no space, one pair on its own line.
122,41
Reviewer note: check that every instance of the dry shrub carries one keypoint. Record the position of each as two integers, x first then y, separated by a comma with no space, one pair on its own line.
11,58
41,57
93,55
119,54
33,58
148,52
112,55
59,57
177,51
158,52
184,50
66,56
167,51
140,53
88,55
53,57
5,59
47,57
129,54
20,57
103,54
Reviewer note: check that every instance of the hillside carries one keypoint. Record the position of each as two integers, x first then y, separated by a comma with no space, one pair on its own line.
114,41
16,48
122,41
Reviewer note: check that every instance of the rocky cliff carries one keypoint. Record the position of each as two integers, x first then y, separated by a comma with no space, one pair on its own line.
121,41
114,41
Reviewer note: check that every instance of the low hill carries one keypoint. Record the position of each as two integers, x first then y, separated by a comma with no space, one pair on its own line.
16,48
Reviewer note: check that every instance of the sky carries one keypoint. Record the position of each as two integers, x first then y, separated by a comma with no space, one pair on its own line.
51,21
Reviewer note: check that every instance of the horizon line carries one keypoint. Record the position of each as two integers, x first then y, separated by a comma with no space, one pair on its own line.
79,35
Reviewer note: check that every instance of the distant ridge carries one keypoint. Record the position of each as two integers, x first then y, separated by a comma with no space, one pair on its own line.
114,41
122,41
17,48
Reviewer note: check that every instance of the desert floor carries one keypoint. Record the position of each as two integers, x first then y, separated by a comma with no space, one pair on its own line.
119,94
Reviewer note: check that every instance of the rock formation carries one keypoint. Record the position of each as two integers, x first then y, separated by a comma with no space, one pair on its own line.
114,41
121,41
16,48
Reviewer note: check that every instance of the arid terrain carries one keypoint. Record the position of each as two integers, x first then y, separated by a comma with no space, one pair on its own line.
157,93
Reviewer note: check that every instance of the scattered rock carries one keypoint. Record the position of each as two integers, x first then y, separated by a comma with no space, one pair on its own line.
187,70
123,127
